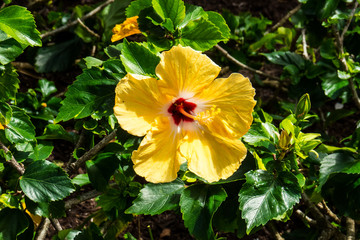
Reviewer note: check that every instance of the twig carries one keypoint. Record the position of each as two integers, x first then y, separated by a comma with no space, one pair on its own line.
93,151
344,65
87,28
329,231
56,224
350,229
305,53
284,19
330,213
77,145
356,4
234,60
20,169
73,23
83,197
275,232
42,230
305,218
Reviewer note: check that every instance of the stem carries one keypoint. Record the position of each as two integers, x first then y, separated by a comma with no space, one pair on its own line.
73,23
92,152
17,166
305,53
350,229
356,4
234,60
275,232
305,218
284,19
83,197
87,28
150,232
42,230
330,213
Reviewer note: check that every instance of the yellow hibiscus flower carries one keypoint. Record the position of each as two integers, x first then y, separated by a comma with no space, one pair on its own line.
128,27
186,115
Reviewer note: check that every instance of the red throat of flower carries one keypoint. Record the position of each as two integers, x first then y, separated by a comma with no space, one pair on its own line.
182,110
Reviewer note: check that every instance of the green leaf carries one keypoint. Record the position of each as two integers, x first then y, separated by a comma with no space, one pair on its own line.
20,128
18,23
192,13
36,151
81,180
157,198
46,209
260,134
9,48
332,85
43,181
56,131
329,7
92,62
101,168
5,113
327,49
337,163
114,14
12,223
286,58
9,83
220,22
198,203
172,9
264,197
58,57
201,35
138,59
92,92
136,6
46,87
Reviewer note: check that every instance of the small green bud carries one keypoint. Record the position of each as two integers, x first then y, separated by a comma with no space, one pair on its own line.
303,107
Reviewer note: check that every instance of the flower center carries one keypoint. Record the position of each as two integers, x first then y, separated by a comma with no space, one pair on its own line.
182,110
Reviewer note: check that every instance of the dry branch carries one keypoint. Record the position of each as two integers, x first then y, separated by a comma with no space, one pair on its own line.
17,166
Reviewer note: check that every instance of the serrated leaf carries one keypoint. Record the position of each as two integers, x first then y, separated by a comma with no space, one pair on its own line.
138,59
18,23
43,181
81,180
198,203
192,13
5,113
12,223
172,9
9,49
136,6
58,57
201,35
9,83
46,209
337,163
46,87
91,92
20,128
114,13
220,22
157,198
261,132
264,197
101,168
92,62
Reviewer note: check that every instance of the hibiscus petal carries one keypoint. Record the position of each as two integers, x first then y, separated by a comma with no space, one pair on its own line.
234,96
212,156
138,102
157,158
182,69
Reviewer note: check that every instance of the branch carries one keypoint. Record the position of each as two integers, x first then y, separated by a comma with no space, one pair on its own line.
73,23
234,60
356,4
274,231
284,19
87,28
330,213
42,230
92,152
344,65
20,169
329,231
83,197
305,218
305,53
350,229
